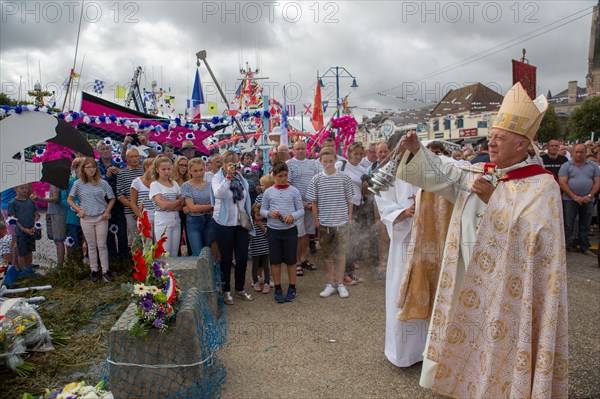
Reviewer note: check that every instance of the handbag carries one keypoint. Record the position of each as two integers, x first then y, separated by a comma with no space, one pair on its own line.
244,220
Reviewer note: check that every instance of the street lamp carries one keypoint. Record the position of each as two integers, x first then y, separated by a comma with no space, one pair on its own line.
338,72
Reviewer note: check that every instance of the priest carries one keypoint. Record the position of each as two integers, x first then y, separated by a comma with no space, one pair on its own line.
499,321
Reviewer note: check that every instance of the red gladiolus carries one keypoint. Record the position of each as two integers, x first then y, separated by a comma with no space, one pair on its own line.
159,251
139,266
144,225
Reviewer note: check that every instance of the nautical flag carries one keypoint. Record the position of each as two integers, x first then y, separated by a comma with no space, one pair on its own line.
197,99
345,104
291,110
239,89
307,110
325,105
148,96
317,114
120,91
170,99
212,108
98,86
526,74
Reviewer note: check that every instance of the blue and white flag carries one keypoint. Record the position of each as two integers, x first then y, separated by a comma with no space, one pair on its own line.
98,86
325,105
283,132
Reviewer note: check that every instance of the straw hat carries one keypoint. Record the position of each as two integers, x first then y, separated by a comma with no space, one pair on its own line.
187,144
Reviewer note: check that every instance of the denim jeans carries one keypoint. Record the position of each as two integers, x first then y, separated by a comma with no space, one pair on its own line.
199,231
571,210
232,239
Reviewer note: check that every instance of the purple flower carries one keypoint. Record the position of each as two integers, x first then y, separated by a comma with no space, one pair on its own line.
158,323
146,305
157,270
160,314
147,297
54,394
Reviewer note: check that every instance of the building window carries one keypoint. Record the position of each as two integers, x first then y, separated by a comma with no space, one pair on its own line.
460,122
436,125
447,124
482,124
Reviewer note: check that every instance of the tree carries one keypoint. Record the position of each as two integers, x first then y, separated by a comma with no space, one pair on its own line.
585,119
550,126
5,100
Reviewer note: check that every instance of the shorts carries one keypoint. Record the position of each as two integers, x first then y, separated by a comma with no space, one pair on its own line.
9,227
334,241
59,227
25,243
282,245
306,225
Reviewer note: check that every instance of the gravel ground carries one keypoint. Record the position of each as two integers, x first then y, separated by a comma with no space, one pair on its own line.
332,347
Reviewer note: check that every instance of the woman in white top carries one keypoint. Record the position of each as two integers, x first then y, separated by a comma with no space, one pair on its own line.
140,192
230,196
93,212
166,195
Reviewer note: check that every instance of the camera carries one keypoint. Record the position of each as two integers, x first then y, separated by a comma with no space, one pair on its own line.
136,139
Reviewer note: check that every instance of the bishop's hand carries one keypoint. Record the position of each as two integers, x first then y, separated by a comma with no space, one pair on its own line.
410,142
483,188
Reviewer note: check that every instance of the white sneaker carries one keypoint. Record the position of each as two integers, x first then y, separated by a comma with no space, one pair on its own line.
329,290
342,290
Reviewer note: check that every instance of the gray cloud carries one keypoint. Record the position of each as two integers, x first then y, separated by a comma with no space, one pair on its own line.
384,44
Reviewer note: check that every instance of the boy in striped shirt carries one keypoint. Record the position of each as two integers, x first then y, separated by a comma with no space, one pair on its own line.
331,194
282,206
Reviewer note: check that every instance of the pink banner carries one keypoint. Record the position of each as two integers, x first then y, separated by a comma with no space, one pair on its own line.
175,135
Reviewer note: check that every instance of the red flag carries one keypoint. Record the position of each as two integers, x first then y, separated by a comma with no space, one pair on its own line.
317,114
525,73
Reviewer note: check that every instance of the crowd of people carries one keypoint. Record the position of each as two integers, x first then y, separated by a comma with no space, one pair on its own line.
496,230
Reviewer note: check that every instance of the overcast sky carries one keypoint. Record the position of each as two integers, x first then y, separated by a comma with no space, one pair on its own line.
389,46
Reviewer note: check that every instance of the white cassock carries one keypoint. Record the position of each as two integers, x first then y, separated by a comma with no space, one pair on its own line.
404,340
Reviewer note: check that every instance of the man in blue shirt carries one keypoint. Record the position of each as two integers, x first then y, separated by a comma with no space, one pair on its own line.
579,181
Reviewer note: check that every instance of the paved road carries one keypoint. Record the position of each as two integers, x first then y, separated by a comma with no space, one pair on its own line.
332,347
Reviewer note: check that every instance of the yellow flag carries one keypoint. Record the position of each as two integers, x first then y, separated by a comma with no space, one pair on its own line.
120,92
212,108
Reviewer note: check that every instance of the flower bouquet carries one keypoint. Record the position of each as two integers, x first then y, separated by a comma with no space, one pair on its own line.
12,343
155,291
76,390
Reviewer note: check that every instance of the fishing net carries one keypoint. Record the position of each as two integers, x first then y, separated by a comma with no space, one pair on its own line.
182,361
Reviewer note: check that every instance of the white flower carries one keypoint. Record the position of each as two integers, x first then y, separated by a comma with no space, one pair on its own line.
113,229
11,220
38,225
108,141
158,148
91,395
69,242
154,290
140,289
190,136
